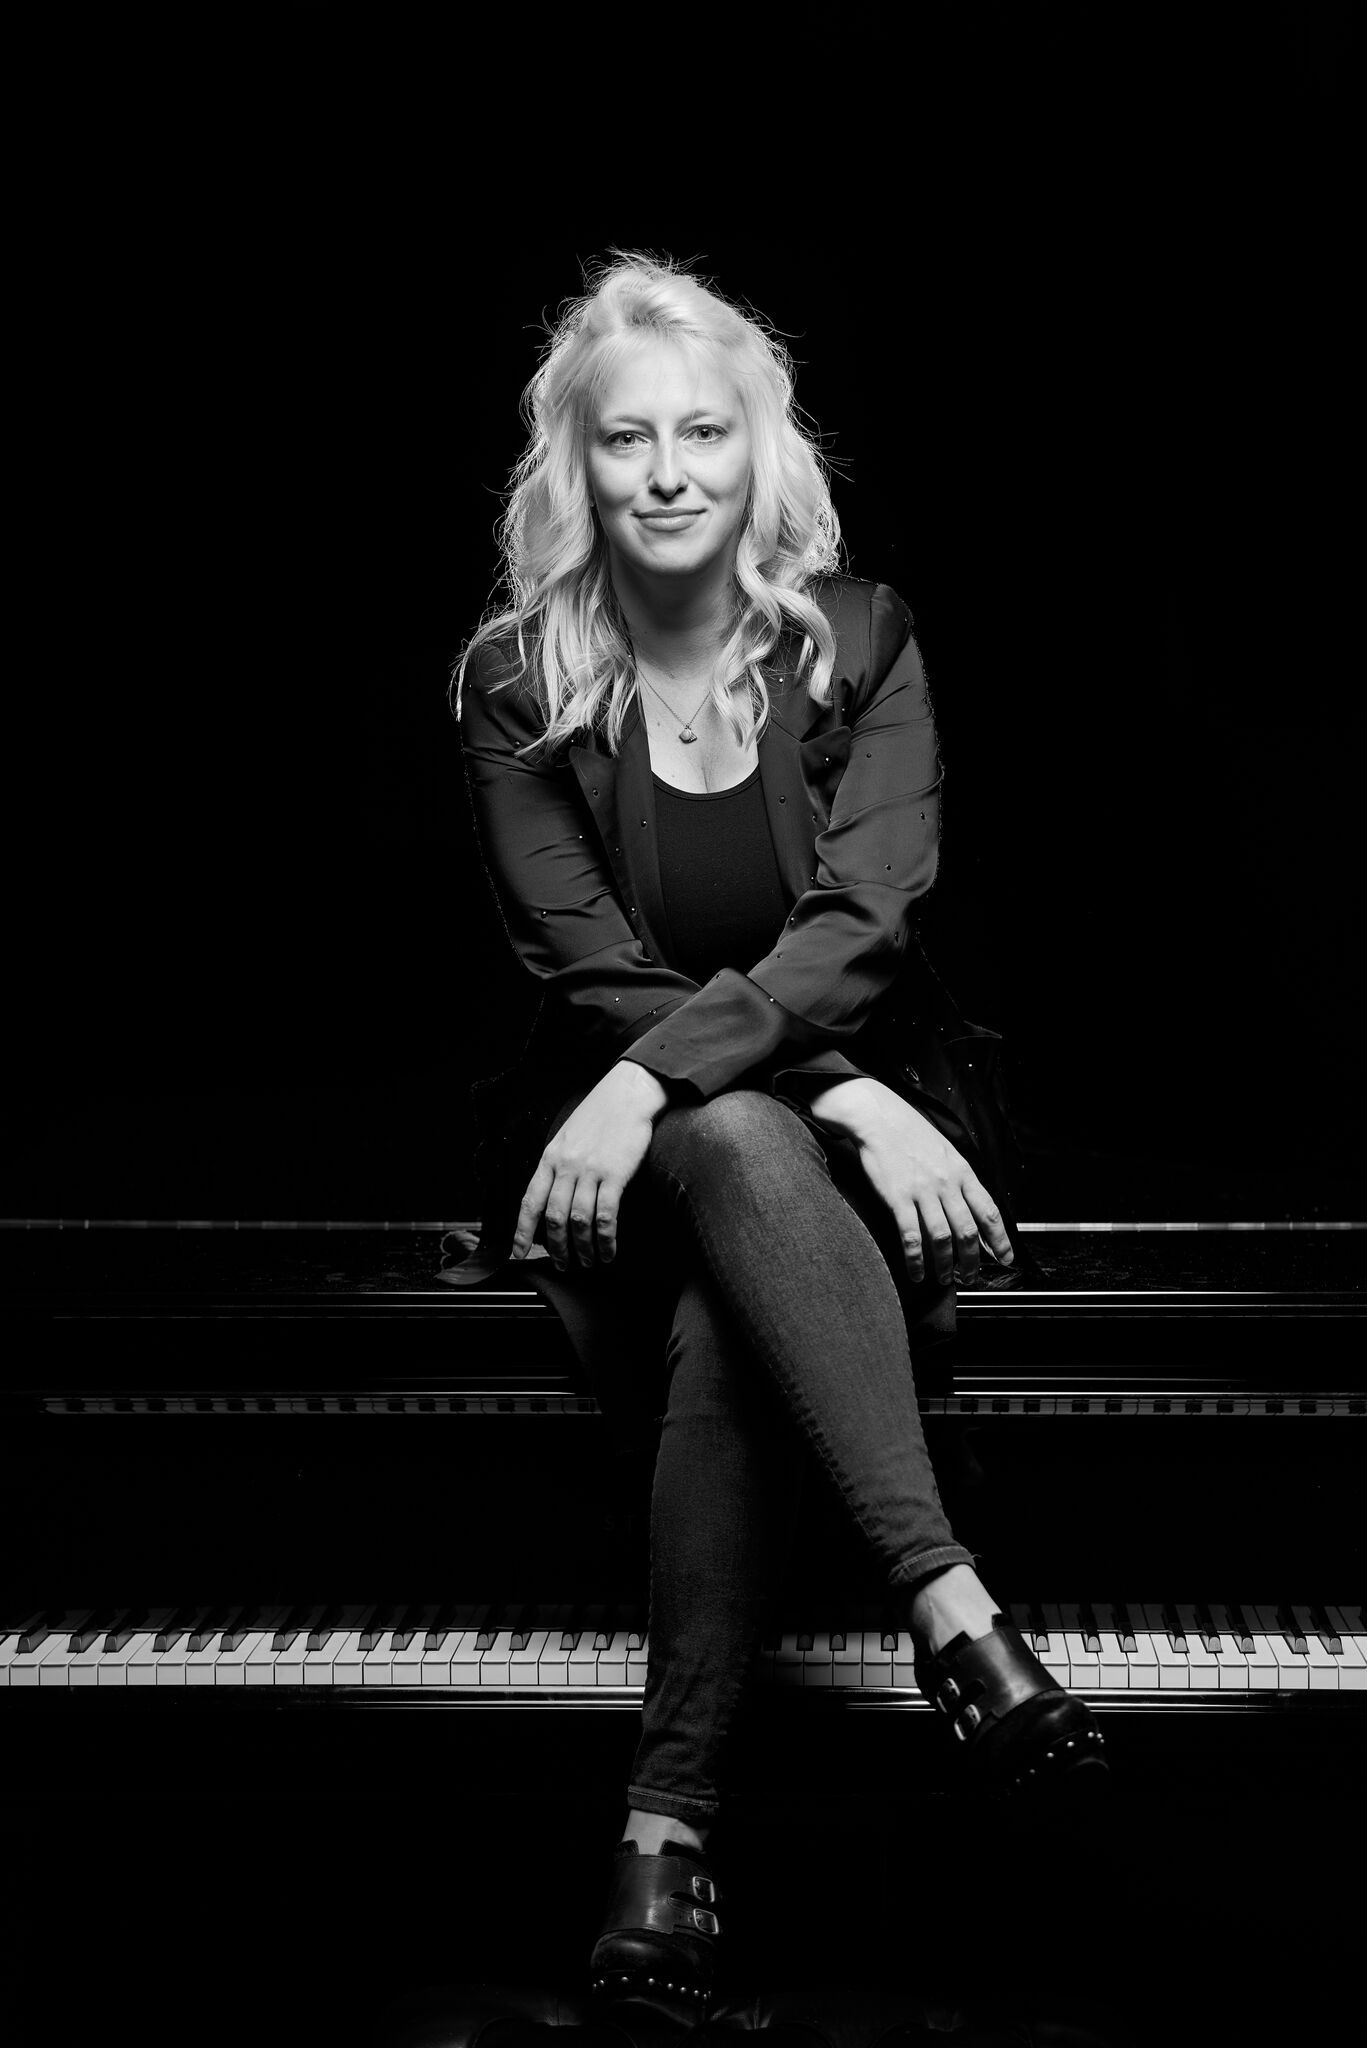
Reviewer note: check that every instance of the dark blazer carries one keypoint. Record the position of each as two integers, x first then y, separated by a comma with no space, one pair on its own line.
852,793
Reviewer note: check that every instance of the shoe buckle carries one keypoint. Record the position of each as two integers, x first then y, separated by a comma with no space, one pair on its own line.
706,1923
704,1889
949,1693
967,1722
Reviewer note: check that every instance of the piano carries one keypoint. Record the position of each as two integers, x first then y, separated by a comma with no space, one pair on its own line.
274,1494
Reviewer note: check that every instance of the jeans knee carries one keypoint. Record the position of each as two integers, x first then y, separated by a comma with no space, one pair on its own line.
741,1135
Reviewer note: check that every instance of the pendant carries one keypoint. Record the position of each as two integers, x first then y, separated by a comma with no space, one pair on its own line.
687,735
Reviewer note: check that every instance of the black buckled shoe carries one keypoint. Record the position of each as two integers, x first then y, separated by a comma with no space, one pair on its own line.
1020,1728
657,1944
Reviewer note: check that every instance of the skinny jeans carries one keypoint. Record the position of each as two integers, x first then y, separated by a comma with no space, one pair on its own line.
788,1341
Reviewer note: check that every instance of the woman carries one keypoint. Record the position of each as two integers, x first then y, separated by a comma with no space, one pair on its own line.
706,785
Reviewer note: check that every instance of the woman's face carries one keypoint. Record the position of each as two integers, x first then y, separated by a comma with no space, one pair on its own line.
669,465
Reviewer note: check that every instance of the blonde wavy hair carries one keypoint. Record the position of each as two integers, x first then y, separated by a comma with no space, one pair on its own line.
556,570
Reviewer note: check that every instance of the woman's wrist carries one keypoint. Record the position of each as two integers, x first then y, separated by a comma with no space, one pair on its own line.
646,1088
848,1107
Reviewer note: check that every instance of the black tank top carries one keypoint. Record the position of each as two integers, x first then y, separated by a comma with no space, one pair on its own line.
724,897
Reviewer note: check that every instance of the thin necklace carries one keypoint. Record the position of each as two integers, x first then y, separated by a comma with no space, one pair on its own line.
686,732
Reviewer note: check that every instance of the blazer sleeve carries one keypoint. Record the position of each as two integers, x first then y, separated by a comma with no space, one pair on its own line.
848,934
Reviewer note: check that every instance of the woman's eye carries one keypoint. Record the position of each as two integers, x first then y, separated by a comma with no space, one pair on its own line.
715,432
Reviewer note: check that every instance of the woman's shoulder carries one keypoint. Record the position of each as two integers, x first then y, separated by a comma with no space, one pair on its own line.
871,622
497,684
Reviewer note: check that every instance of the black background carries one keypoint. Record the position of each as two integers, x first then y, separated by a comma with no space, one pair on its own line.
1067,290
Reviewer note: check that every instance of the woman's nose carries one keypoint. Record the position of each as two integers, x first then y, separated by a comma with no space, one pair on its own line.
667,470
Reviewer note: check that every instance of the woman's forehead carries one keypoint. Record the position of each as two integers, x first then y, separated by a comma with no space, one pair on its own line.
657,375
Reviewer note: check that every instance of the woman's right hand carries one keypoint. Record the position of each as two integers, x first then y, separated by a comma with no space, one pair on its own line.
577,1188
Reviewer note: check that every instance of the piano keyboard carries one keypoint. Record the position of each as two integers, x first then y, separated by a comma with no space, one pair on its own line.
1092,1402
1175,1652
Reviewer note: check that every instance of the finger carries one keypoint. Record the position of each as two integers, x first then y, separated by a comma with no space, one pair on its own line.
989,1219
937,1237
960,1220
557,1218
913,1249
609,1199
532,1210
582,1208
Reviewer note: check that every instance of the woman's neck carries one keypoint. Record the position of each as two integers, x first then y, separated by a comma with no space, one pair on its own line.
677,631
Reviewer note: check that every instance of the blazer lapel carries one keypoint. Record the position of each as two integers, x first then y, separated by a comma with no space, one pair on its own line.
621,797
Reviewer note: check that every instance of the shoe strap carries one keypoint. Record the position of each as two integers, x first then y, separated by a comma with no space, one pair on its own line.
664,1895
986,1678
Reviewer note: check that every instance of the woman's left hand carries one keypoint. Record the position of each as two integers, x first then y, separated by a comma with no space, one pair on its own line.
938,1201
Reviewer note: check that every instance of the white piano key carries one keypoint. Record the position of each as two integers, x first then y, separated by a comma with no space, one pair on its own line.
116,1668
523,1663
1084,1665
612,1661
378,1667
345,1665
1143,1662
903,1653
200,1665
494,1662
54,1665
465,1657
320,1666
1113,1666
169,1667
638,1660
1065,1646
553,1665
1293,1670
847,1661
1353,1667
230,1666
786,1668
1174,1669
817,1670
875,1661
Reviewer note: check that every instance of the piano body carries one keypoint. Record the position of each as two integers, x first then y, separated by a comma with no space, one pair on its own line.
286,1517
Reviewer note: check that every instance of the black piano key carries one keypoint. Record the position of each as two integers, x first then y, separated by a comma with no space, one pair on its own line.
1325,1630
1292,1631
123,1631
324,1629
380,1623
90,1630
210,1626
1039,1625
1209,1633
34,1634
1243,1634
1172,1622
450,1616
837,1643
246,1620
1088,1628
1124,1628
406,1629
806,1640
176,1627
298,1619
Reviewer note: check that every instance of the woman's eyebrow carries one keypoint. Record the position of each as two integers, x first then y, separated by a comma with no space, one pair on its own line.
630,419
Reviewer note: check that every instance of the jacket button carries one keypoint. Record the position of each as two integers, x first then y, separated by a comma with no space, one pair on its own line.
783,799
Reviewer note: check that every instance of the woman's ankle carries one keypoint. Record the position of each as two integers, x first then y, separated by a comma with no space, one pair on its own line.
650,1831
954,1602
